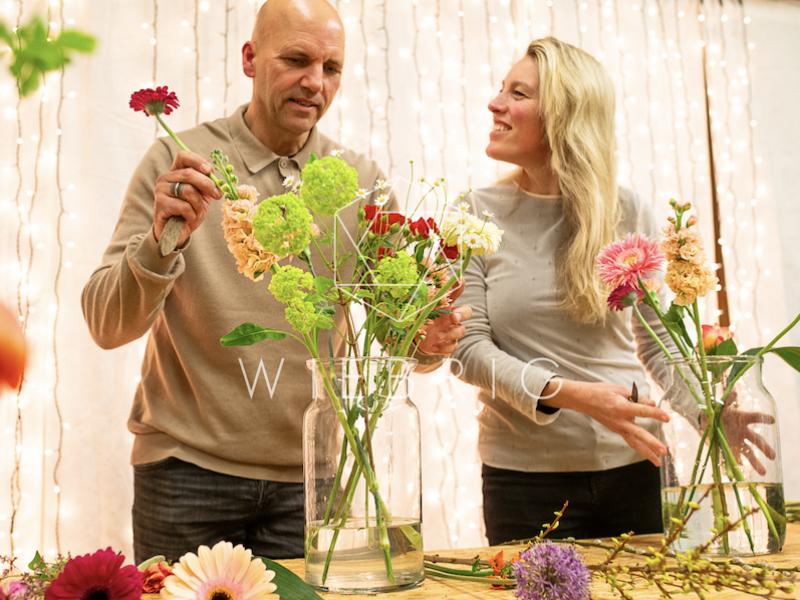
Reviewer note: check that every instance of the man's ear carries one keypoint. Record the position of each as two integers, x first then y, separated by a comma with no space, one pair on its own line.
248,54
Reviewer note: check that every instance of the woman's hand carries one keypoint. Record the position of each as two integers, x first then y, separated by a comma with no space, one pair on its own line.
444,331
741,438
608,404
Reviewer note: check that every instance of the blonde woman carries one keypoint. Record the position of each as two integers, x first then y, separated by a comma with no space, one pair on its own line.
554,364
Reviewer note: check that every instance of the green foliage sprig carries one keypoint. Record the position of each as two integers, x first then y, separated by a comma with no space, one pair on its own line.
36,53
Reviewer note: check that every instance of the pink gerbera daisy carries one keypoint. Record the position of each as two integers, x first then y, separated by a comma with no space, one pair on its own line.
154,102
623,262
98,576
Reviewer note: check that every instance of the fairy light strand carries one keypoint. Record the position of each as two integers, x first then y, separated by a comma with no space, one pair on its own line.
341,96
196,62
155,61
440,440
648,111
441,85
669,84
624,103
365,41
490,57
600,42
389,98
739,231
59,245
415,54
464,91
578,22
751,145
725,171
226,83
16,488
687,110
31,255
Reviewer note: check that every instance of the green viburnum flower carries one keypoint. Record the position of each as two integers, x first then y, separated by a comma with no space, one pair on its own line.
398,271
303,316
291,286
288,283
282,224
328,184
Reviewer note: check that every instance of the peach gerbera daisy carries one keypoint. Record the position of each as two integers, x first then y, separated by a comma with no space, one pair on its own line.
623,262
223,572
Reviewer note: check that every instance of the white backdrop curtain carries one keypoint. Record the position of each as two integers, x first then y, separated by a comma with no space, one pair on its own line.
418,77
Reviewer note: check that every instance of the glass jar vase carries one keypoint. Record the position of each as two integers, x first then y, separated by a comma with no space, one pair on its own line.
363,477
723,454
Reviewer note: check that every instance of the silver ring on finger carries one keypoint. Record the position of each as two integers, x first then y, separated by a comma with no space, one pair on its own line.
176,189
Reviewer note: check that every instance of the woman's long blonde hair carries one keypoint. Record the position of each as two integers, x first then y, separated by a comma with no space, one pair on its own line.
576,102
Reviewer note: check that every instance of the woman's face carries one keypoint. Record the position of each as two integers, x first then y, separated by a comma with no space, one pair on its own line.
518,135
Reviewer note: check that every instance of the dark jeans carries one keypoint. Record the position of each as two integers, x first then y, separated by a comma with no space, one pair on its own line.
179,506
601,503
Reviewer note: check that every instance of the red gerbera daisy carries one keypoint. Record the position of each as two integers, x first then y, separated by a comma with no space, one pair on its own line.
621,297
154,102
623,262
96,576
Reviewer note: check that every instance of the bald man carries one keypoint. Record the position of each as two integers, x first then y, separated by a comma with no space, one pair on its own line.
217,451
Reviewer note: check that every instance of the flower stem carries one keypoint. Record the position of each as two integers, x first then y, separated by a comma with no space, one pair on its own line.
178,141
423,316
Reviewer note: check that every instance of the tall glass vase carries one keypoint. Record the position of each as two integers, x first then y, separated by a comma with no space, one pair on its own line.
362,471
723,452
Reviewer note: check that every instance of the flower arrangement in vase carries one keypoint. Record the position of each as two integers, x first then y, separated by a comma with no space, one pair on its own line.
723,433
361,435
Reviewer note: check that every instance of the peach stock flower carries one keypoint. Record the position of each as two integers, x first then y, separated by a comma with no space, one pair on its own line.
237,223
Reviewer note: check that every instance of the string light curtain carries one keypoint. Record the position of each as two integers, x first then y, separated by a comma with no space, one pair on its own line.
417,80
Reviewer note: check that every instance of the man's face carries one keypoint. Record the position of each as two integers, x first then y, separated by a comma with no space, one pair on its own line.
296,70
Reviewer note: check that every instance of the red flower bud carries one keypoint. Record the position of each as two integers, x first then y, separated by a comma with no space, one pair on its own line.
714,335
451,252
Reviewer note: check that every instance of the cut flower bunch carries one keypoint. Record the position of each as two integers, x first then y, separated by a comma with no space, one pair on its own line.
402,269
718,408
557,570
223,571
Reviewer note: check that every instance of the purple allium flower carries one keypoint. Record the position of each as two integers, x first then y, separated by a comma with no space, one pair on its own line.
548,571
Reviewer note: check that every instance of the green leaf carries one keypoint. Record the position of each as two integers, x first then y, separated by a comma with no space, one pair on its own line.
75,40
248,334
419,252
290,586
311,159
726,348
322,284
35,55
151,561
673,320
791,354
37,561
739,365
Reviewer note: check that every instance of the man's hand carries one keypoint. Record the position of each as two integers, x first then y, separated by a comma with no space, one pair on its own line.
196,195
445,330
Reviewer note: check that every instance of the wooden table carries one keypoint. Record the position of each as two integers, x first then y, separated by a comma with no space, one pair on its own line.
448,589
